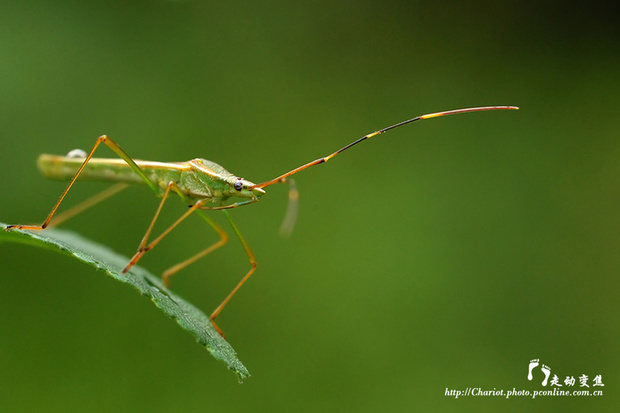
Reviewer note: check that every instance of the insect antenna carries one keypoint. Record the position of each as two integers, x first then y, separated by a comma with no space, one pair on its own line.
282,178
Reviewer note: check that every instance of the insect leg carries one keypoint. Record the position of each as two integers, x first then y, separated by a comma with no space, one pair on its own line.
117,149
84,205
143,247
231,206
252,260
290,218
178,267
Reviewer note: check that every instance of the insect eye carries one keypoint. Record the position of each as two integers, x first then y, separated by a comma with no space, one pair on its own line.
238,185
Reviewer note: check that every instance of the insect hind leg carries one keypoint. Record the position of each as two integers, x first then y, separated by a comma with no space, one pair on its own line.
117,149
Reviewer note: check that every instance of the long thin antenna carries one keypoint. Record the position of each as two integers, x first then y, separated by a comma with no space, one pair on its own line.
282,178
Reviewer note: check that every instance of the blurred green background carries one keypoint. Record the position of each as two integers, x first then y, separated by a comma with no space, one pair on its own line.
446,254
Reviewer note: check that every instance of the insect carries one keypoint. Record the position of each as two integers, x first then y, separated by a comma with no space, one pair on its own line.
201,184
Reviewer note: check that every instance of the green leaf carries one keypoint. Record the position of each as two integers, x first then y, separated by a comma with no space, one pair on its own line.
102,258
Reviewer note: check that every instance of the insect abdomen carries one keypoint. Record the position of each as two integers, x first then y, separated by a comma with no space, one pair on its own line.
64,168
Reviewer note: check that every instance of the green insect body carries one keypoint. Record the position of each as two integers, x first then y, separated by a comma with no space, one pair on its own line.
196,179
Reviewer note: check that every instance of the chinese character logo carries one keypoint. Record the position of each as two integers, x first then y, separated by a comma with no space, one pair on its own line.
569,381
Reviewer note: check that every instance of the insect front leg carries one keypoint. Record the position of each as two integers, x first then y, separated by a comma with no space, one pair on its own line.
231,206
253,264
290,218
